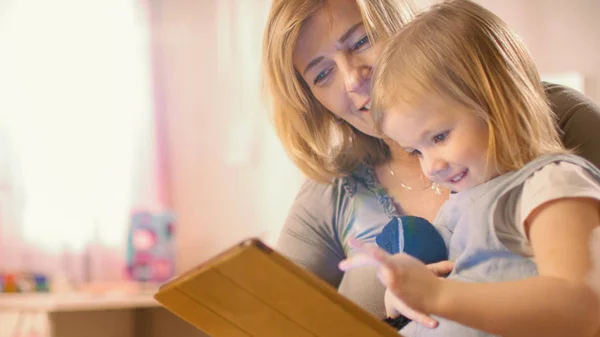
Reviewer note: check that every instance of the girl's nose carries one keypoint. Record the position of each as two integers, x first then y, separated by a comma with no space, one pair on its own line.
435,167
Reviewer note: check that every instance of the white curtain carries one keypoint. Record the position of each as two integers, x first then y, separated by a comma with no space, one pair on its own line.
250,141
77,145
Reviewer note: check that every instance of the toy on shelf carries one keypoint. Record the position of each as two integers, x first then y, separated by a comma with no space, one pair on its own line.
23,282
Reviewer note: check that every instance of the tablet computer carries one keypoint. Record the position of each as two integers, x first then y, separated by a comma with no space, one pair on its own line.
250,290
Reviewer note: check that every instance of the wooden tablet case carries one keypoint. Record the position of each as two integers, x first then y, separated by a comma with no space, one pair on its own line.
252,291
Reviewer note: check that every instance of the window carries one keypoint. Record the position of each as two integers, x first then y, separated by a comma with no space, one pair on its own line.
77,127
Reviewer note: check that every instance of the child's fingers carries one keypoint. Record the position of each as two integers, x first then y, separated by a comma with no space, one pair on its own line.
378,254
386,276
356,261
420,318
394,307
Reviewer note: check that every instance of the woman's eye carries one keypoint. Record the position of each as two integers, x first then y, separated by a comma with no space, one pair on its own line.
321,76
440,137
361,42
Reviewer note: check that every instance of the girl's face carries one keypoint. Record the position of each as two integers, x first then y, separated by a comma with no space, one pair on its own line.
335,58
450,140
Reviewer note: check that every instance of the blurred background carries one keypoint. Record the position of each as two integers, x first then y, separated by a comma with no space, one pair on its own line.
228,176
114,108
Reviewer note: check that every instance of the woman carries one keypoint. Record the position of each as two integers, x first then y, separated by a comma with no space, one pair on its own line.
318,57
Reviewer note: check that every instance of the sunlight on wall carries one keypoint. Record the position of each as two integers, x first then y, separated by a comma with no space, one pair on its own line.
571,79
77,108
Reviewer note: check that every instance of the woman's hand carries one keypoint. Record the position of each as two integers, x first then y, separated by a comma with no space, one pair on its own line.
442,268
412,287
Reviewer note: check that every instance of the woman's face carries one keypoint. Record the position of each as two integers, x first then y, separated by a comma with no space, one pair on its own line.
336,58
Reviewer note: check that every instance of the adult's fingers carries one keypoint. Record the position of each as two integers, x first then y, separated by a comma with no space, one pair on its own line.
441,268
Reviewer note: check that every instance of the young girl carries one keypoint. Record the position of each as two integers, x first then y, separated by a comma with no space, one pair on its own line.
457,89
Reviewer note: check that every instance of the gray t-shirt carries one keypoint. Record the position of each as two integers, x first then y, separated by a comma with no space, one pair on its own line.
324,216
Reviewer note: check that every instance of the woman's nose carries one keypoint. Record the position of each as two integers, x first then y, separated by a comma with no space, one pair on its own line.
356,77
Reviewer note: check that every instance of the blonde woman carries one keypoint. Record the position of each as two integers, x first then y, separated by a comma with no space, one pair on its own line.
318,58
459,91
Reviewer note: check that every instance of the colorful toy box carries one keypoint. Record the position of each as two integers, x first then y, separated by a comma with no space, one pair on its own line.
151,247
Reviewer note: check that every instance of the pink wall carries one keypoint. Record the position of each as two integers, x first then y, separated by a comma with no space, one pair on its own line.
187,37
562,35
218,201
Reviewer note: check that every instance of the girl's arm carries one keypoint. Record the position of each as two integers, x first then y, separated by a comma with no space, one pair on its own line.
560,302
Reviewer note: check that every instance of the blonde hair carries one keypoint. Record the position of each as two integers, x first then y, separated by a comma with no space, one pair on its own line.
458,50
319,145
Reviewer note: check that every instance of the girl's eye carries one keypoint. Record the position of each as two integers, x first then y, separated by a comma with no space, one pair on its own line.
440,137
361,42
322,75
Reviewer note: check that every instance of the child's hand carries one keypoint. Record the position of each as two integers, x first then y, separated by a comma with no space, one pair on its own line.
413,285
395,307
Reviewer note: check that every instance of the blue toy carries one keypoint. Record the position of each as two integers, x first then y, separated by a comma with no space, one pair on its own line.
421,240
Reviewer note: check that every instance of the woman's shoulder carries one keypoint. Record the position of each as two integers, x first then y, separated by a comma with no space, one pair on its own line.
566,101
338,188
358,192
333,200
320,212
578,117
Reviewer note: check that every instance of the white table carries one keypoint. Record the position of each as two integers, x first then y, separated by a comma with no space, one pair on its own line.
91,315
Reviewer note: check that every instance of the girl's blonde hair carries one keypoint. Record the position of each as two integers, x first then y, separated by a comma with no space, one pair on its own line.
460,51
321,147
